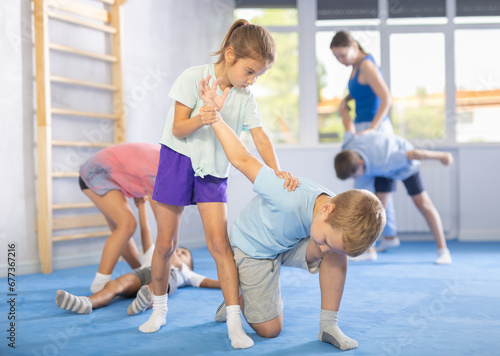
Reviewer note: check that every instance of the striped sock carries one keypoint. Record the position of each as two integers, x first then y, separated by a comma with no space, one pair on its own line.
68,301
141,302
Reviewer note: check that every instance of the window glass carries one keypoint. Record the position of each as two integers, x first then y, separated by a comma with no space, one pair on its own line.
277,91
417,85
333,78
269,17
343,10
478,8
420,8
477,77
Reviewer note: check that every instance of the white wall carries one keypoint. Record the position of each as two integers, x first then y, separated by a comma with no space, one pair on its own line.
17,187
479,193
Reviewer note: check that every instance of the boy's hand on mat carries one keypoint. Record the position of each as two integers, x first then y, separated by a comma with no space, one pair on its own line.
209,94
209,115
291,182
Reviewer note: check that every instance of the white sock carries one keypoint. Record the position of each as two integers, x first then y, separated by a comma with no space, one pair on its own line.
99,282
141,301
159,316
239,339
444,257
147,256
330,332
386,243
68,301
366,256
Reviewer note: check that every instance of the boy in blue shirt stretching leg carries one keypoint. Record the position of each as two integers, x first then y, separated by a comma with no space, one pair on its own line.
309,228
389,158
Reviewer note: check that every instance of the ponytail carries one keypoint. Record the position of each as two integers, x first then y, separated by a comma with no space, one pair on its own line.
248,41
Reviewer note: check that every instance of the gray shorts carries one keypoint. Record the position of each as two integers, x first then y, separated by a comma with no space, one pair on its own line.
260,280
144,275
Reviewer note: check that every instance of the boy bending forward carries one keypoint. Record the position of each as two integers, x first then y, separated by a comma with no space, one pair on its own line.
309,228
389,158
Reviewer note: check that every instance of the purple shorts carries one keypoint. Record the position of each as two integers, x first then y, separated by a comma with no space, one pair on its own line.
176,184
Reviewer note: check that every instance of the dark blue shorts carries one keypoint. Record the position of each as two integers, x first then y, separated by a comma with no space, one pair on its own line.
83,185
176,184
413,185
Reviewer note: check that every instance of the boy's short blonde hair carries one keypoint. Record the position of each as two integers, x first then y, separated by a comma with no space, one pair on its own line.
346,163
360,216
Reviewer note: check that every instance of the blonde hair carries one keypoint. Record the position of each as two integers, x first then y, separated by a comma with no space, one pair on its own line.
346,163
248,41
360,216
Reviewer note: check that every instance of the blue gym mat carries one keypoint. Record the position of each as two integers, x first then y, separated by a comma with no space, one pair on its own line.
401,304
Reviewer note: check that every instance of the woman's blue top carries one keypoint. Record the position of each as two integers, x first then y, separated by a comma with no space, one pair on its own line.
367,102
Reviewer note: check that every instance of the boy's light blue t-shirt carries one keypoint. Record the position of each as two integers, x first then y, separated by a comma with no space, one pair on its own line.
276,220
384,155
240,112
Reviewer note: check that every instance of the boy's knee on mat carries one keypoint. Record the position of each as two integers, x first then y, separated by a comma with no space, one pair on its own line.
268,331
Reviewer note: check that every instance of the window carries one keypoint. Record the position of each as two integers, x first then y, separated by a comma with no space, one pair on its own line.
478,86
333,78
277,92
417,85
419,8
347,10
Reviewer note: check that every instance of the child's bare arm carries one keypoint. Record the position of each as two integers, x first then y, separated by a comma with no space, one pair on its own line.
265,148
146,238
346,117
210,283
235,150
268,154
446,158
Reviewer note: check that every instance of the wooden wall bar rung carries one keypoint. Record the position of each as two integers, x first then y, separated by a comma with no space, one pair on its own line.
65,174
77,222
66,80
73,206
58,111
81,236
81,143
62,48
80,9
110,2
77,21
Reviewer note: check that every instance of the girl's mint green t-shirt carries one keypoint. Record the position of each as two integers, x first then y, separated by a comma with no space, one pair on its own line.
240,112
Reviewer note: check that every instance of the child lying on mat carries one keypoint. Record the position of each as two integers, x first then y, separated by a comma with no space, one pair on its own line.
309,228
138,282
389,158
